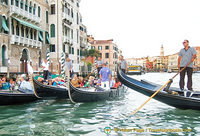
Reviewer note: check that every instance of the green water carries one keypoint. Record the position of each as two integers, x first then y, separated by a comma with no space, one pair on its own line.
62,118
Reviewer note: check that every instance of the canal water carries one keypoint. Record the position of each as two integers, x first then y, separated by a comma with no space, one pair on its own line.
62,118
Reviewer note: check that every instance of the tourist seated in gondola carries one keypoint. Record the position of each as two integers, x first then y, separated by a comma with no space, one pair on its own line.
25,86
58,82
90,82
75,81
117,84
12,84
4,85
80,80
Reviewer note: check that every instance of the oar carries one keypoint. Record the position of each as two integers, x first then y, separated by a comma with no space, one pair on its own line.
159,90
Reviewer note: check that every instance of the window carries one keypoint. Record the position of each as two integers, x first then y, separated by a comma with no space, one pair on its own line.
107,55
22,4
12,2
27,31
72,50
17,3
40,36
93,47
72,13
47,17
53,9
35,35
30,8
39,11
107,47
78,52
12,26
63,48
31,34
34,8
77,18
52,48
26,6
53,30
99,47
3,55
77,4
77,36
72,34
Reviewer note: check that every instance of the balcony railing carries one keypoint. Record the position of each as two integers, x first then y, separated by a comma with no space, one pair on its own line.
25,41
68,18
68,40
24,14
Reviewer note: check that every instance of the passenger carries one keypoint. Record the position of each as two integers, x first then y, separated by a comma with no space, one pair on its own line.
40,79
55,81
80,81
4,85
60,82
105,77
117,83
74,81
25,85
12,84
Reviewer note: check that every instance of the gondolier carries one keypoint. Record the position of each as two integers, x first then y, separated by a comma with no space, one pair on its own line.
45,67
99,64
186,55
105,77
123,64
69,66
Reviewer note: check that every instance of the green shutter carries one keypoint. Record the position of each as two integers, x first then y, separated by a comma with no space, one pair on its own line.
3,56
4,25
47,18
52,30
40,36
70,50
47,38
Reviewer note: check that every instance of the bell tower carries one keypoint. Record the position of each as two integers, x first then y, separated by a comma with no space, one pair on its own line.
162,51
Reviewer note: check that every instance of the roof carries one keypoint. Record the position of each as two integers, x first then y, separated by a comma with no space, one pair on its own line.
102,41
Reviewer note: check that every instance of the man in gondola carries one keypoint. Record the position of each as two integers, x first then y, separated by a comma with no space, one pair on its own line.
123,64
105,77
69,66
186,55
45,67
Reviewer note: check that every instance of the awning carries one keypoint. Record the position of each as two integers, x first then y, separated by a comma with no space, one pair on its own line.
40,36
47,38
4,25
28,24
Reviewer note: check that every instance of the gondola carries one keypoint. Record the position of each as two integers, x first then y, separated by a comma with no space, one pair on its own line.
16,97
47,91
176,99
94,94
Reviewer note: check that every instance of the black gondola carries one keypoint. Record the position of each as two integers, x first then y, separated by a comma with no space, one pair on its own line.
94,94
175,99
47,91
16,97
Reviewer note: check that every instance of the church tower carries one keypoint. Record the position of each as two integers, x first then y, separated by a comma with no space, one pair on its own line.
162,51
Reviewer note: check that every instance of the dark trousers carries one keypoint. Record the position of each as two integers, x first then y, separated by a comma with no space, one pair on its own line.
46,74
182,78
124,70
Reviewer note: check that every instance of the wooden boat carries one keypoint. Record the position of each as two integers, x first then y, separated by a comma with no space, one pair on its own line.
47,91
135,70
16,97
94,94
173,97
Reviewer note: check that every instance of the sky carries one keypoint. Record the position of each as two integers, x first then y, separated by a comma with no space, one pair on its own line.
140,27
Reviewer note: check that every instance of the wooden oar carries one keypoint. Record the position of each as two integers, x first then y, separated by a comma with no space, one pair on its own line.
159,90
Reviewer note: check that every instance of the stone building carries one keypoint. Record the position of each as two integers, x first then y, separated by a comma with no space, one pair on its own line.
24,34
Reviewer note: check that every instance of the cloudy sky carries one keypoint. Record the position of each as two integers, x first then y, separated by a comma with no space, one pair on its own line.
140,27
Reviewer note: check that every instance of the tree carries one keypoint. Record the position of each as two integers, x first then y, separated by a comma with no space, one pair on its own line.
92,53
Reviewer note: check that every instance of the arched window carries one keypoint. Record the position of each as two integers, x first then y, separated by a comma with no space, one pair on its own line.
3,52
53,30
38,11
30,7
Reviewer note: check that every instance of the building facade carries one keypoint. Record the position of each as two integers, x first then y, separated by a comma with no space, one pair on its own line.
24,34
31,28
109,52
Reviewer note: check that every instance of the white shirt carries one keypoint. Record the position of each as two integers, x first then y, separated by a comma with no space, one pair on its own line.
45,65
25,85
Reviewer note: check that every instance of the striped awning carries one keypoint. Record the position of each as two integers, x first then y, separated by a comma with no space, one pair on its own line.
28,24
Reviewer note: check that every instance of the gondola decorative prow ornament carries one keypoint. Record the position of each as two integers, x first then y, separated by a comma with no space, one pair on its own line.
169,81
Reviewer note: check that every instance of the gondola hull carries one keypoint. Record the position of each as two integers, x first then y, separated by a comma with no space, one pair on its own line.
84,95
176,100
50,92
13,98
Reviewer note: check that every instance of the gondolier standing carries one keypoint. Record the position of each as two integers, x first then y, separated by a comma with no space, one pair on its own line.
45,67
99,65
105,77
123,64
69,66
186,55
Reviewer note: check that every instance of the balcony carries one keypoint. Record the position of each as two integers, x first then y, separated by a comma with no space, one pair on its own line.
24,14
68,19
25,41
68,40
83,45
